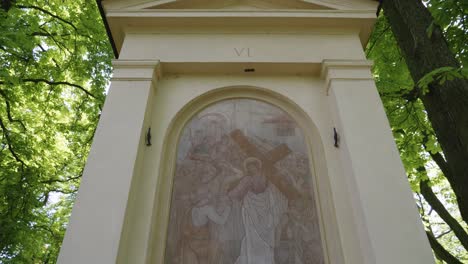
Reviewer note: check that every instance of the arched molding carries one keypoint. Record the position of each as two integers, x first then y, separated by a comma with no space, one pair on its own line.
322,188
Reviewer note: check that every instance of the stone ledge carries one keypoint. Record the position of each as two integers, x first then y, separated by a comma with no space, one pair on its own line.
345,70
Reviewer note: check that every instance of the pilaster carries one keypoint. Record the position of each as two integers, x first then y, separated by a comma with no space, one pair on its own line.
95,227
386,219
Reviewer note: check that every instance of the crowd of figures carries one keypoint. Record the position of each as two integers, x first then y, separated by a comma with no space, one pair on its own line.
232,207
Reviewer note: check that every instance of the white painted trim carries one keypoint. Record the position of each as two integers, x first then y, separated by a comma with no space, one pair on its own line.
136,70
176,67
135,63
339,70
242,13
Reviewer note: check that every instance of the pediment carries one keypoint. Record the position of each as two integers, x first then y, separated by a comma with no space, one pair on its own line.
241,4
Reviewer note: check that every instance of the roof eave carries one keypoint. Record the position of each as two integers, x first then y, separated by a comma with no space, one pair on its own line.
108,30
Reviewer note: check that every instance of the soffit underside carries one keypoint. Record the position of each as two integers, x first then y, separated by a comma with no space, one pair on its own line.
239,4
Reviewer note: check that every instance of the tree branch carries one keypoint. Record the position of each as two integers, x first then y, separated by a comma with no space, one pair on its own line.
440,251
442,163
62,191
26,59
47,34
437,205
53,83
48,229
438,159
62,181
371,47
48,13
8,140
444,233
61,83
8,109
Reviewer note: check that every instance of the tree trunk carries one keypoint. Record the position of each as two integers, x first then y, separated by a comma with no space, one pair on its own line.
447,103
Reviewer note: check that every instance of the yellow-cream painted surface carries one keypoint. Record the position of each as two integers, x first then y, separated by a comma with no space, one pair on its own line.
310,64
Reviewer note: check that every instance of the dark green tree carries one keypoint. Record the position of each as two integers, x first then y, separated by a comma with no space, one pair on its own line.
420,54
54,68
428,55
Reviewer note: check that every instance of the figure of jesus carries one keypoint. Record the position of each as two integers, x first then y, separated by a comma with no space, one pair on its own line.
262,207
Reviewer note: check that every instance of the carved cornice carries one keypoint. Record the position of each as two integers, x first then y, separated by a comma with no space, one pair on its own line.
136,70
345,70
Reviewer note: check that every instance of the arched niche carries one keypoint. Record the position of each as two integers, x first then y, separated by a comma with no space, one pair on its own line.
162,244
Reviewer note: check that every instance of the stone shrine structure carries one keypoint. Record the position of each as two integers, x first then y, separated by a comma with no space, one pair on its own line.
241,132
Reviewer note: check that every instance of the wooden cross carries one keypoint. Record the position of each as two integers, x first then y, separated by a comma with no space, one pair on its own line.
268,162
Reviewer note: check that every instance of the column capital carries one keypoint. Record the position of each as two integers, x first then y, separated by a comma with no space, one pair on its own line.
136,70
345,70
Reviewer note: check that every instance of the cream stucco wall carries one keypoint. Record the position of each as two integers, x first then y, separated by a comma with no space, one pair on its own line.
311,67
175,92
239,44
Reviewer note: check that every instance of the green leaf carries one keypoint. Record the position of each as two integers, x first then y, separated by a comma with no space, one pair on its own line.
430,29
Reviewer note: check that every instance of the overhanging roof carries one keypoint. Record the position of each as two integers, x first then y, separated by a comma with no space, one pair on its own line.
116,20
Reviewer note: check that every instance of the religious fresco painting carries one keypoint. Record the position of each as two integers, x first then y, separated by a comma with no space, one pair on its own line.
242,190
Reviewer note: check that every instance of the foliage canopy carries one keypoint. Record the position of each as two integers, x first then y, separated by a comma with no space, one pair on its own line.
54,68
